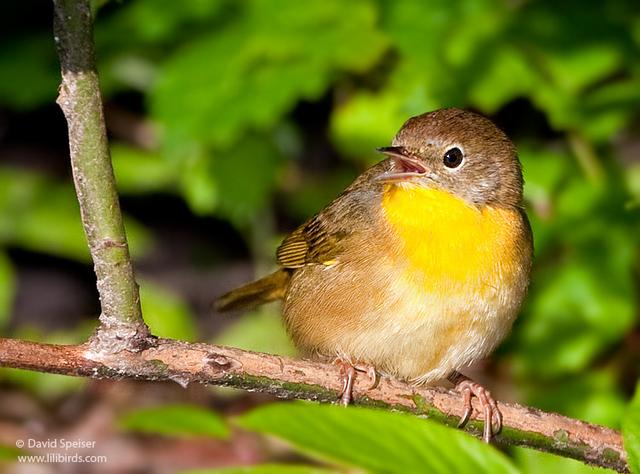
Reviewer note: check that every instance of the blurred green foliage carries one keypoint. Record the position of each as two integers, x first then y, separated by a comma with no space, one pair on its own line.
9,453
165,313
260,331
224,83
533,462
631,432
7,288
265,469
31,202
175,420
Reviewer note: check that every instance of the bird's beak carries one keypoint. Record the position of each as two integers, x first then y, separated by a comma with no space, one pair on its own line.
405,165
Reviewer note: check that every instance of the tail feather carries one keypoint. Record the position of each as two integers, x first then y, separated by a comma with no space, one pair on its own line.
270,288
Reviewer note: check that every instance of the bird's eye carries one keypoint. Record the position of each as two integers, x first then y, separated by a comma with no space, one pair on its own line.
453,158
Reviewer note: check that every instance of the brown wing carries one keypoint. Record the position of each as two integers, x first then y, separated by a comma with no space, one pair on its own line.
324,237
312,242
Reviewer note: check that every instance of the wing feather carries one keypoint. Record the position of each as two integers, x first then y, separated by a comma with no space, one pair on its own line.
324,238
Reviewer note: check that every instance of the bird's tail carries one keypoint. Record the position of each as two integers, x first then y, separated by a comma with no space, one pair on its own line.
270,288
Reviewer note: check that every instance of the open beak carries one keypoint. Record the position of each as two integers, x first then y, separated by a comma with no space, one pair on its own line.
405,166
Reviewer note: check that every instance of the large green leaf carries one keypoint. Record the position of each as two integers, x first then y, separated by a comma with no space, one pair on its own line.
631,432
265,469
375,440
175,420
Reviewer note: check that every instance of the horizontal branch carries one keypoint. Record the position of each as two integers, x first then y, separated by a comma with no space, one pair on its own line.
185,363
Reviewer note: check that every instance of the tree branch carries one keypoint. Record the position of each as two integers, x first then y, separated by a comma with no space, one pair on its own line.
80,99
185,363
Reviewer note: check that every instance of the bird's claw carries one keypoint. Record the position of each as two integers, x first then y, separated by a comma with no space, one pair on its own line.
492,415
348,372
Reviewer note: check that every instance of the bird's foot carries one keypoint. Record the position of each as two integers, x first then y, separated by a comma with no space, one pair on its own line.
348,372
492,415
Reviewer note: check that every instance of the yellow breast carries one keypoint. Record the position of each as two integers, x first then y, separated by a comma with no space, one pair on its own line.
448,243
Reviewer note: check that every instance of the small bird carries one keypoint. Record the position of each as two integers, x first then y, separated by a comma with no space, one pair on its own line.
419,268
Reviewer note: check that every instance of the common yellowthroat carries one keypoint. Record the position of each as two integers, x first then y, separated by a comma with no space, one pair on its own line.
419,267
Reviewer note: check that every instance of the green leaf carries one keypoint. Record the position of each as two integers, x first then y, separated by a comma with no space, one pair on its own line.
252,71
31,202
536,462
245,178
135,37
365,122
51,387
631,432
260,331
141,172
175,420
421,30
236,183
265,469
592,396
508,67
588,64
582,300
435,69
543,172
7,289
197,182
30,71
313,193
370,120
573,314
375,440
166,314
632,178
142,22
9,453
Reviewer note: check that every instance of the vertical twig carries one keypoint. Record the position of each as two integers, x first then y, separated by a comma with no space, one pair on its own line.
122,326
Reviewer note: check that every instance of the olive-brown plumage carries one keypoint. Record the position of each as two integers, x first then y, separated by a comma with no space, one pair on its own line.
420,266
